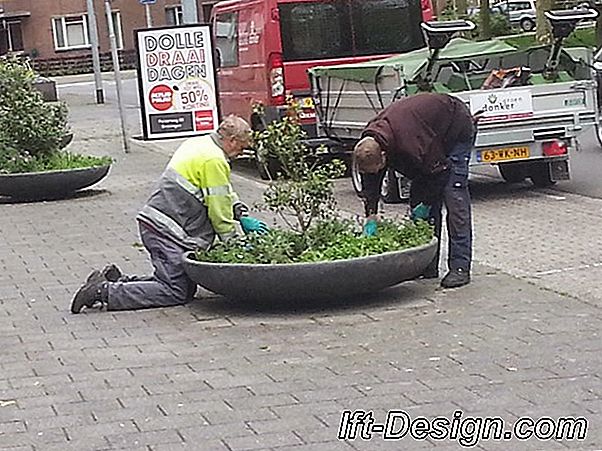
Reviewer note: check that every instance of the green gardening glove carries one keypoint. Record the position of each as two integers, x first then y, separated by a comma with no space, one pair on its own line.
370,228
250,224
420,211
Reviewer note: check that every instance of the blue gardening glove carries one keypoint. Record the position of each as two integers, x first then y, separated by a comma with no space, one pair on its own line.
420,211
250,224
370,228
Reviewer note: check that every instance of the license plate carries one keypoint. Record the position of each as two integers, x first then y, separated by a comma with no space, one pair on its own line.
508,153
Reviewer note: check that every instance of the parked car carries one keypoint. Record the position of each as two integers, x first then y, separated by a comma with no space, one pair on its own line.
519,12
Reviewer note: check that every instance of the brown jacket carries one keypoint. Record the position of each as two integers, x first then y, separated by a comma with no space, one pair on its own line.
418,132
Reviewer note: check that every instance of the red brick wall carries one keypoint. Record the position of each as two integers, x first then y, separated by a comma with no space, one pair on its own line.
37,29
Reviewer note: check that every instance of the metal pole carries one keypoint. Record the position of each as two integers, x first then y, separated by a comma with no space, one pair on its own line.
189,12
100,95
149,18
115,55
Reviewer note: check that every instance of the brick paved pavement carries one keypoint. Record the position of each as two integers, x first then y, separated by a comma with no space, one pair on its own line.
219,375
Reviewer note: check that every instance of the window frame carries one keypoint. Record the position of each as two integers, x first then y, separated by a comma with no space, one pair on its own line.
63,24
177,13
6,25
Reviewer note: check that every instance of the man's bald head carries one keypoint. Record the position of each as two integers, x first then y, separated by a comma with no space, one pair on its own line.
369,156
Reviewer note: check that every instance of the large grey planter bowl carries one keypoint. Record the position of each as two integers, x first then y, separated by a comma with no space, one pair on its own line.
49,184
309,281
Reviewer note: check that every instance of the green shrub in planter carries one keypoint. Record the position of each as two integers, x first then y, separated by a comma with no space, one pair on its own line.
31,130
304,200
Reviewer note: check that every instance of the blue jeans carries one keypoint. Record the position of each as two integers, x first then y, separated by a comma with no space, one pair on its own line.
450,189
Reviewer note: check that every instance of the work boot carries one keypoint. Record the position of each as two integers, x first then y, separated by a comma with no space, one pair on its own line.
112,273
93,292
456,278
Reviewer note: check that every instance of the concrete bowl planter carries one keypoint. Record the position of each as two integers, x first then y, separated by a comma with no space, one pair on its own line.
50,184
310,281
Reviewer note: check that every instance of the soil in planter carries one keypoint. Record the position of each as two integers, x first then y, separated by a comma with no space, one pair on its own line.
326,241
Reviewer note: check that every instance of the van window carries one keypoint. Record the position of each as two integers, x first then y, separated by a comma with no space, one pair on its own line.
226,38
315,30
385,26
342,28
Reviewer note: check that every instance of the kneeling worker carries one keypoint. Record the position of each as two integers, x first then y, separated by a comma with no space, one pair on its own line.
191,205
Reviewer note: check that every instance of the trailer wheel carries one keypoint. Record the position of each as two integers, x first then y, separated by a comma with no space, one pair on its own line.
540,175
512,172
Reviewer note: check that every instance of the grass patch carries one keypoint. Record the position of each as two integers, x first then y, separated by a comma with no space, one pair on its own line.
582,37
326,241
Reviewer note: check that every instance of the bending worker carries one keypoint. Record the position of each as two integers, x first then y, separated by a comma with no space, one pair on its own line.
192,205
427,138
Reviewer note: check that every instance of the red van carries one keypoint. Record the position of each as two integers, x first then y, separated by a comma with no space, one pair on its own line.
265,47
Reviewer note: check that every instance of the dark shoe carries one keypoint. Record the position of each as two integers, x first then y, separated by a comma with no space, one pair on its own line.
112,273
90,293
456,278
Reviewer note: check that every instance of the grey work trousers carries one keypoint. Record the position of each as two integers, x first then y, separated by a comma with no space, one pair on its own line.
169,285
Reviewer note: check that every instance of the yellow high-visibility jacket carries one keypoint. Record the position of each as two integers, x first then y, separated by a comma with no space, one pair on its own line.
194,199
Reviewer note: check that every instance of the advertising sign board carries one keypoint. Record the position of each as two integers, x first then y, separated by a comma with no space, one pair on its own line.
176,81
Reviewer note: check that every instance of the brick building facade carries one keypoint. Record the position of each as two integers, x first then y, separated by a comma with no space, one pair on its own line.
50,30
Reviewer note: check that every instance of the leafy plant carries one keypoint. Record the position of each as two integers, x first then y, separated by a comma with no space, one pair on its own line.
325,241
305,192
33,127
12,161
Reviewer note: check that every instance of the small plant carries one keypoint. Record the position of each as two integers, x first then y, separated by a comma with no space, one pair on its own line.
325,241
32,131
32,125
304,193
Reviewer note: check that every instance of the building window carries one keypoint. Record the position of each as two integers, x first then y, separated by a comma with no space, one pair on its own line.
14,35
226,39
118,30
70,32
173,15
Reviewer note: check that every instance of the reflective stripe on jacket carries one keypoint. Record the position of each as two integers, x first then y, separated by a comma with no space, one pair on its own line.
194,199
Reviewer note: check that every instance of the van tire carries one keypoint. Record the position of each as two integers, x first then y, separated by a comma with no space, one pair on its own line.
599,133
268,169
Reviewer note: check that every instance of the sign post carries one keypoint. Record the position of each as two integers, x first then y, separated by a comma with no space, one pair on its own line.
93,27
177,81
117,70
147,4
